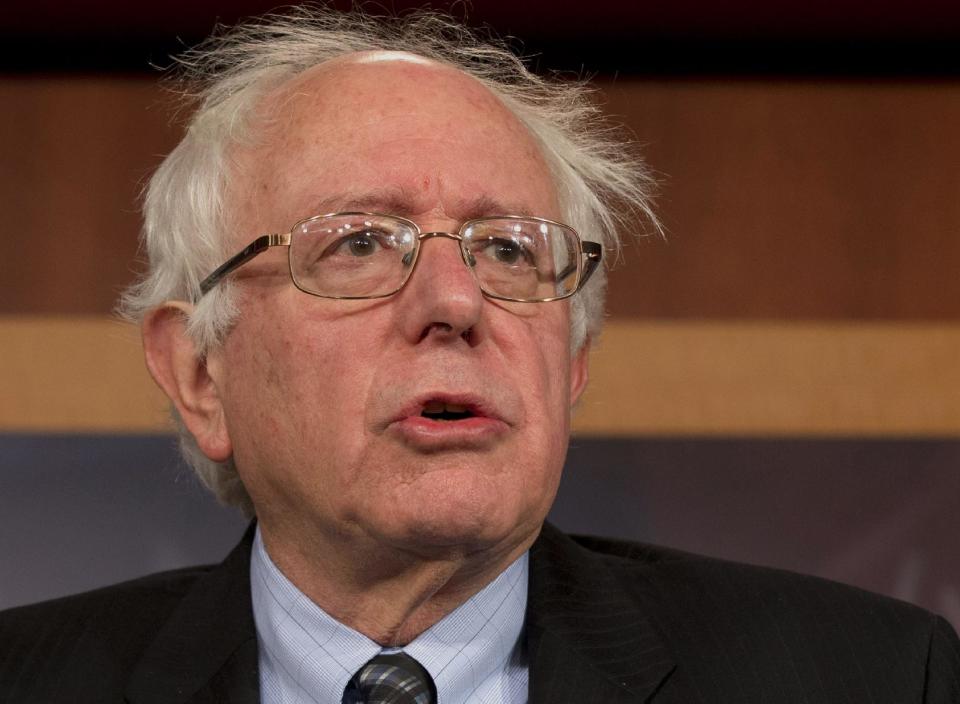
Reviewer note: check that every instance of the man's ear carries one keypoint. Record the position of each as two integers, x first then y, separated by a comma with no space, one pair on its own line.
185,378
579,371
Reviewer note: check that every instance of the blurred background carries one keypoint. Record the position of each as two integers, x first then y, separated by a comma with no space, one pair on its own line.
779,382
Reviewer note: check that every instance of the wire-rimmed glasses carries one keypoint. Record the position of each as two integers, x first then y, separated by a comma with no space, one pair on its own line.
369,255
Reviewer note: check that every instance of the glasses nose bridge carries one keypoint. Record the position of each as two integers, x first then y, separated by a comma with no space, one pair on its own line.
467,257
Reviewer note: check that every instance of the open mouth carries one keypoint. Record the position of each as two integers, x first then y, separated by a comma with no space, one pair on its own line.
438,421
438,410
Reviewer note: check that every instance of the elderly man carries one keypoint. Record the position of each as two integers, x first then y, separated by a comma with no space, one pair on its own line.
373,284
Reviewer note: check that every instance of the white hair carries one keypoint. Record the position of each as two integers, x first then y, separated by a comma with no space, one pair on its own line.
602,185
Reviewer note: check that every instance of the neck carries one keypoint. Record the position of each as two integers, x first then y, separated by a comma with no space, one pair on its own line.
389,594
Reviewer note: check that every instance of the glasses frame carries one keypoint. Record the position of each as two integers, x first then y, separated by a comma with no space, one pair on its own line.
592,253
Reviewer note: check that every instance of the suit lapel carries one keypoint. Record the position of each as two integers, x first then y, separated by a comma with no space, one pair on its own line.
207,650
589,639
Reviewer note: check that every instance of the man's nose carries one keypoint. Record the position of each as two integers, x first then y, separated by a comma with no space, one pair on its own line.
442,297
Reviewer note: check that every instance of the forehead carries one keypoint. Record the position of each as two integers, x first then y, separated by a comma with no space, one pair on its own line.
392,122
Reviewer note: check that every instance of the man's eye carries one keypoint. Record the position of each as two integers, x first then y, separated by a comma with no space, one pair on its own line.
508,252
360,244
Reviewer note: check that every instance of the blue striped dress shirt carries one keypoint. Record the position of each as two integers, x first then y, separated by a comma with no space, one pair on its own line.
475,654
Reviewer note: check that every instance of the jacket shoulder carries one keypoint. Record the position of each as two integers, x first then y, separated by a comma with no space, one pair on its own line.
718,589
766,630
94,637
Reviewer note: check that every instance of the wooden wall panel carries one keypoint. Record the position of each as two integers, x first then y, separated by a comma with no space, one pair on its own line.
833,199
75,154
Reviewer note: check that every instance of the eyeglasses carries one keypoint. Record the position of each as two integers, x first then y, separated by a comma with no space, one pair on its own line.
366,255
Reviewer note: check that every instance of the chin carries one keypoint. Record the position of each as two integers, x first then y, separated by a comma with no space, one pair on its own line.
462,526
456,507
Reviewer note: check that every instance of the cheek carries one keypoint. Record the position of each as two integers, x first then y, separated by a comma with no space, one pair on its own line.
541,340
320,384
293,394
555,368
537,349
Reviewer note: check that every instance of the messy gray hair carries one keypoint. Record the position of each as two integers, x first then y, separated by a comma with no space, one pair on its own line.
601,184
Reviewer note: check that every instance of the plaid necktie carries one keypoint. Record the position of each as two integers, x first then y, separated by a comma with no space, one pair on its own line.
391,678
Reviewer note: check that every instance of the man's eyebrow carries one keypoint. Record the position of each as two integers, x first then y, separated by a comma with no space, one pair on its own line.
386,200
483,206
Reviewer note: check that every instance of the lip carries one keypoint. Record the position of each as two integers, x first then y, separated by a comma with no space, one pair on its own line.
484,426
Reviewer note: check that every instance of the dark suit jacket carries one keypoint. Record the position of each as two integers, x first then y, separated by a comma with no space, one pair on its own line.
607,622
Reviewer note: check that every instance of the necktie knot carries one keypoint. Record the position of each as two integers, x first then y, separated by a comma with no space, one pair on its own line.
391,678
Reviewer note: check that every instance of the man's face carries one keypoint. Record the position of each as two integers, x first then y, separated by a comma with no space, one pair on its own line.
323,399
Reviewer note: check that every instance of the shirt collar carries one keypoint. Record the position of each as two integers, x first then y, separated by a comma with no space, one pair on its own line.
302,648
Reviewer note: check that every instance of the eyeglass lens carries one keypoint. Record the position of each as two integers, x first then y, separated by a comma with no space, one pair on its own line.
362,255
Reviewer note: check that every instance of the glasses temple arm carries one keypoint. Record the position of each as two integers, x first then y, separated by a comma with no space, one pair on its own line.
594,253
260,244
